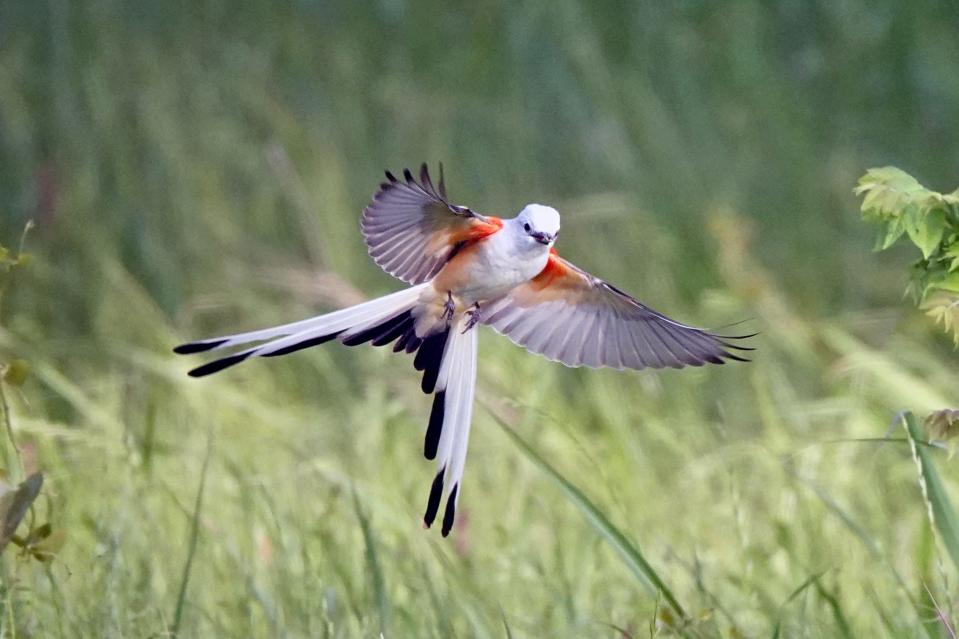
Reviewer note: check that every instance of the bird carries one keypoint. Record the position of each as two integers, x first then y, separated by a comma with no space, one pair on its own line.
464,269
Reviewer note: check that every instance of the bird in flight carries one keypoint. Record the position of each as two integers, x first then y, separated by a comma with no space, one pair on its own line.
466,269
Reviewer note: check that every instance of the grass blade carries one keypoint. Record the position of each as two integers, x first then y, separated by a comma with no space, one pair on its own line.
628,551
867,540
836,609
509,633
194,538
941,512
374,568
795,593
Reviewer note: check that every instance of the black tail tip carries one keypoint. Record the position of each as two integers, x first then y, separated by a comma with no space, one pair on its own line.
435,427
450,513
436,494
197,347
218,365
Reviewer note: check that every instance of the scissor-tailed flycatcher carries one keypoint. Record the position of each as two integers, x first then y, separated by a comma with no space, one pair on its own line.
466,268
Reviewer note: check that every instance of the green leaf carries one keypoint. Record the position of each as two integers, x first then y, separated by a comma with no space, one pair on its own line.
947,282
944,426
943,307
14,504
49,546
628,551
38,534
952,254
889,231
940,509
15,373
887,190
925,228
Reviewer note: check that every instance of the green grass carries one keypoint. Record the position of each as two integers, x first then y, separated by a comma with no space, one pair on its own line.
201,170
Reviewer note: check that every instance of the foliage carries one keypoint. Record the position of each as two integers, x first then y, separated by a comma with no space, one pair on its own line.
42,542
942,514
943,424
901,206
632,556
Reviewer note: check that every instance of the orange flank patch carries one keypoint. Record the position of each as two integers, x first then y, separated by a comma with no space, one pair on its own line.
461,232
456,274
476,230
557,281
553,273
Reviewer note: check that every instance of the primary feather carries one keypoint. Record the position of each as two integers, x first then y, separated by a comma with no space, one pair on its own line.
411,230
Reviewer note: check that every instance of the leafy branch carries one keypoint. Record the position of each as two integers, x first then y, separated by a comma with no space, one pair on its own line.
16,500
900,206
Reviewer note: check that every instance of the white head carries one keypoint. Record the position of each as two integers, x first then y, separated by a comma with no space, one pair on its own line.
541,223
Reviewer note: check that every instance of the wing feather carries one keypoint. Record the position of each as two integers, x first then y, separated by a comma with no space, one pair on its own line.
544,341
570,342
618,348
411,229
570,316
589,326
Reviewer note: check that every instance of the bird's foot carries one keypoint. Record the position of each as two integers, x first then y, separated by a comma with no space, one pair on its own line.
474,317
449,307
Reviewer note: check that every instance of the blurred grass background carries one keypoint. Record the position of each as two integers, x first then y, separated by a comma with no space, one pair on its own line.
193,169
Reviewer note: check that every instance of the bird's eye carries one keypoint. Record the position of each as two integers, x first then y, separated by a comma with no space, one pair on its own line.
526,227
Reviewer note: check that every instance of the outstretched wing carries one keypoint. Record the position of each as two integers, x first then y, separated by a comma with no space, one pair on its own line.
567,315
411,229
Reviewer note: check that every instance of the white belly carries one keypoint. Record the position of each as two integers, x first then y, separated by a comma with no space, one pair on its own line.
499,268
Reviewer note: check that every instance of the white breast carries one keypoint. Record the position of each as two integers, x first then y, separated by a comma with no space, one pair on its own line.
504,262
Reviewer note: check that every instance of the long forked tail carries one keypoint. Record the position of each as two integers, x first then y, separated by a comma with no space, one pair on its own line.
447,358
380,321
447,434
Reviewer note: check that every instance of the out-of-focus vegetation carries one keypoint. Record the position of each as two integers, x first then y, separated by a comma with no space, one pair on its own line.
901,206
196,168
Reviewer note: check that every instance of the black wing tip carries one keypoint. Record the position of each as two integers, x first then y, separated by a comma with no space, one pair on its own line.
723,341
425,181
737,347
450,513
408,173
218,365
735,336
197,347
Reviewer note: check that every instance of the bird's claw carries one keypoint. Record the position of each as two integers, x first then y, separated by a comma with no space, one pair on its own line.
474,317
449,307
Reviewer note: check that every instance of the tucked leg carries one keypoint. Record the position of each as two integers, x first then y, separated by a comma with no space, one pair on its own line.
449,307
474,316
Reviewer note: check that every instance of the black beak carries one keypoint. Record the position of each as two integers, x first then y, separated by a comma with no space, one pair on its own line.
542,238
